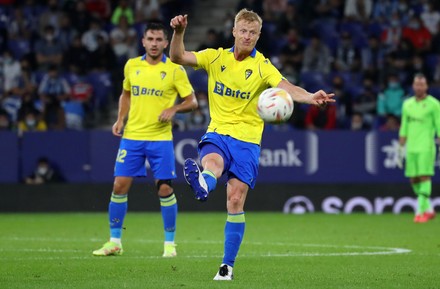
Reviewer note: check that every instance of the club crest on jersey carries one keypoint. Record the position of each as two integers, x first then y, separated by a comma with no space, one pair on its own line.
137,72
163,74
247,73
223,67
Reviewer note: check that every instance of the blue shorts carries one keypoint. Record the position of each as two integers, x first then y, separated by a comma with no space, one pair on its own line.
241,158
130,161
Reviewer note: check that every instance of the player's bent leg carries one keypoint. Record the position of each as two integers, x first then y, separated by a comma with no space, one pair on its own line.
168,207
117,210
234,228
426,190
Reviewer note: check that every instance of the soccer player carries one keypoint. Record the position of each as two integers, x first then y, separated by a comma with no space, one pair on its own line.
150,88
420,124
231,146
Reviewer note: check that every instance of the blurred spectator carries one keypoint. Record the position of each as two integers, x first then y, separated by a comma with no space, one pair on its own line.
358,10
52,90
44,173
31,122
431,18
343,98
435,43
321,118
417,34
400,59
382,9
275,7
316,56
99,8
5,123
50,17
77,57
373,55
288,19
357,122
123,41
391,99
20,25
366,102
417,65
12,72
90,37
327,9
211,40
123,9
78,103
391,123
26,79
80,16
392,34
66,32
197,120
147,10
48,49
347,55
103,58
292,51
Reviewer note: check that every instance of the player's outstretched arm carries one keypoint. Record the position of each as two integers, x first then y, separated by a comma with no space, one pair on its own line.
124,107
299,94
178,54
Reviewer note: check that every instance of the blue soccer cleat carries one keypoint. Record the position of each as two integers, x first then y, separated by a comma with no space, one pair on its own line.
195,180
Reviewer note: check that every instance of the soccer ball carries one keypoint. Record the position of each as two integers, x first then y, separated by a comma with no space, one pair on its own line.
275,105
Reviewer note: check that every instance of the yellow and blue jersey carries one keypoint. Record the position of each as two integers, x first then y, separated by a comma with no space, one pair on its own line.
153,88
233,90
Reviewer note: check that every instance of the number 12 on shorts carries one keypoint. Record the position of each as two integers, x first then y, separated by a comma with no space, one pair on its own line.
121,155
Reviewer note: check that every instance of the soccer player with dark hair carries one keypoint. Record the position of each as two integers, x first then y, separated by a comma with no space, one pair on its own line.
231,146
150,88
420,125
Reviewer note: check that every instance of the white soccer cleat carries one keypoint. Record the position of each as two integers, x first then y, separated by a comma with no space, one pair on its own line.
224,273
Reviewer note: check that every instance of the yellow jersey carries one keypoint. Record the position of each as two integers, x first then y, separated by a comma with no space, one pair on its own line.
153,88
233,90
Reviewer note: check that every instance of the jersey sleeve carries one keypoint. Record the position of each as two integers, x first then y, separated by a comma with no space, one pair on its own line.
205,57
403,131
269,73
126,85
181,82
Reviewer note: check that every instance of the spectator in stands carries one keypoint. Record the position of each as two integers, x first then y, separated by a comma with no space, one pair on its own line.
316,56
392,123
52,91
345,106
357,122
373,55
417,65
123,41
366,102
392,34
50,17
325,9
147,10
292,52
417,34
123,9
31,122
321,118
391,99
288,19
254,5
197,120
90,37
44,173
358,10
348,57
5,123
66,33
211,40
103,58
435,43
430,18
80,17
19,25
77,57
100,9
11,72
26,80
276,8
382,9
48,49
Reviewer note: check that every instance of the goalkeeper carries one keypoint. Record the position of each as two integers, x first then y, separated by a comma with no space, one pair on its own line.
420,124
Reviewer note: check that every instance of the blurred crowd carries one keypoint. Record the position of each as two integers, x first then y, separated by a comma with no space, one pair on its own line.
62,61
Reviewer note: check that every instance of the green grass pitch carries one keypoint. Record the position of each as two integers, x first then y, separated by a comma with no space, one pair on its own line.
278,251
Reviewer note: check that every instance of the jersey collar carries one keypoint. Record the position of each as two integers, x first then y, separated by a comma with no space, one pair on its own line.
253,52
164,58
